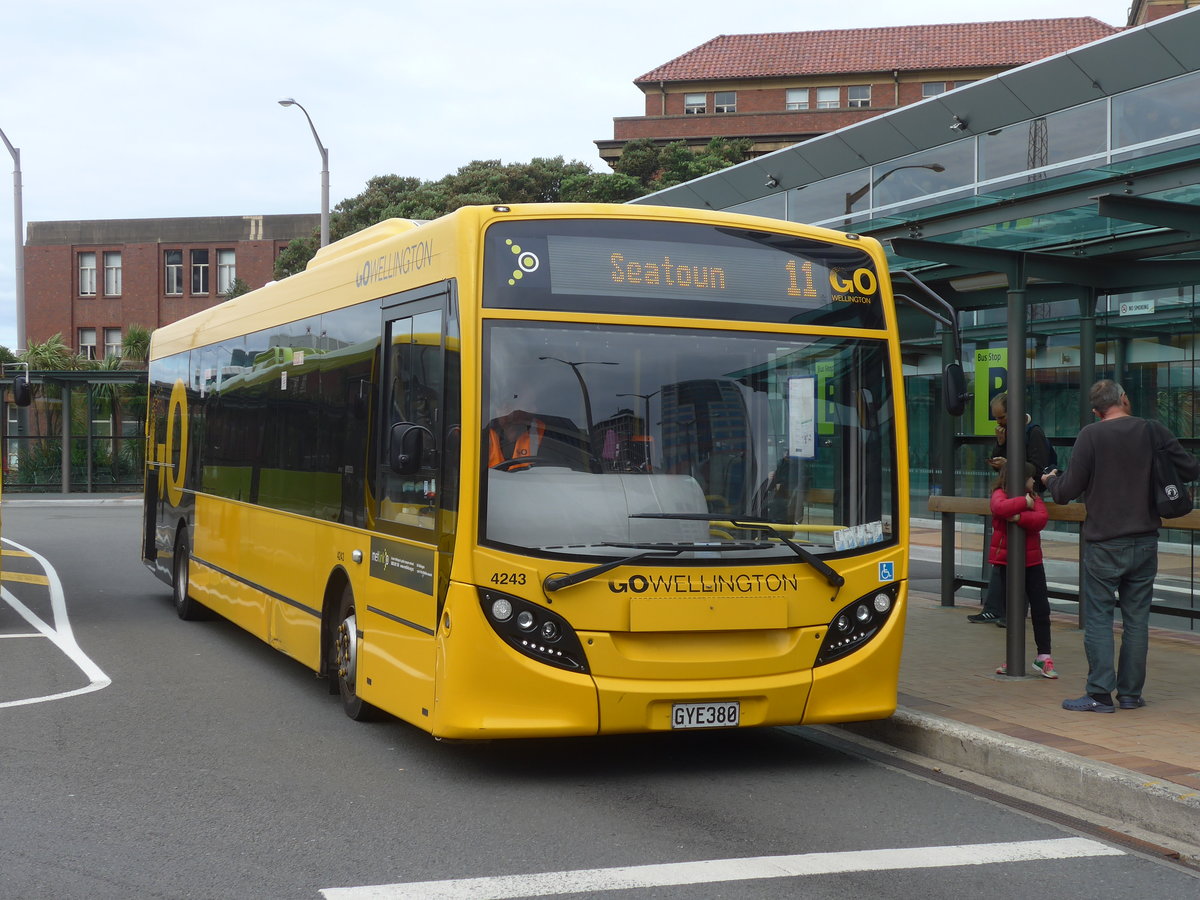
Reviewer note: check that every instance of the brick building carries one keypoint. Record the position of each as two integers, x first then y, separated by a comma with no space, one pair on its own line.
91,280
785,87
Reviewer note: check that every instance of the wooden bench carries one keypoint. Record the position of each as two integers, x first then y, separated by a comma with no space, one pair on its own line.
1070,512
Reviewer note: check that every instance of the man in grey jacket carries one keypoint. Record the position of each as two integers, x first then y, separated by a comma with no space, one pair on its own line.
1112,462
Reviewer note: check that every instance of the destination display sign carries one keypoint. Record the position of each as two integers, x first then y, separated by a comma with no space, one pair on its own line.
663,268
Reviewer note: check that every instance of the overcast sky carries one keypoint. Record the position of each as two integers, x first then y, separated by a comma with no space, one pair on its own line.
140,108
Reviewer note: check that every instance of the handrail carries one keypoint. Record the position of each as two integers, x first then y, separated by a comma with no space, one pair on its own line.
1069,512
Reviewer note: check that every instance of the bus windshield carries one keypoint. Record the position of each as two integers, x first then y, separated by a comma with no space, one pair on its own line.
603,440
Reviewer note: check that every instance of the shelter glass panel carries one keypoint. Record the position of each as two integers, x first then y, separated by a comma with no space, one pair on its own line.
1156,112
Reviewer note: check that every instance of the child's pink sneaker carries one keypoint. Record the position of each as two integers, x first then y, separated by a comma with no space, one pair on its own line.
1045,667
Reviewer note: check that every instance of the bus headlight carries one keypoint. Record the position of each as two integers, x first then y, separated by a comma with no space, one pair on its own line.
533,630
856,624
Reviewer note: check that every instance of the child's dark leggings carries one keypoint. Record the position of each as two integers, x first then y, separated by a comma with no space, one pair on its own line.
1036,597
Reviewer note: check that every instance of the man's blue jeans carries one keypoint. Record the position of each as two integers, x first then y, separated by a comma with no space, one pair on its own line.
1124,569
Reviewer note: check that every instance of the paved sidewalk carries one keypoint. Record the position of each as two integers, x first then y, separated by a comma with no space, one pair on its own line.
1140,768
949,667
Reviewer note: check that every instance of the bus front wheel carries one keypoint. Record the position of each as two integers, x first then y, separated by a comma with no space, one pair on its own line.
343,656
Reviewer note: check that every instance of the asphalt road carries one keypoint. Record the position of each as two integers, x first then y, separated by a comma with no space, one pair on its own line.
142,756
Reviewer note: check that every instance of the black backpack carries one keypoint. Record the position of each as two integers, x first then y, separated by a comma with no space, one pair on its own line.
1051,456
1170,498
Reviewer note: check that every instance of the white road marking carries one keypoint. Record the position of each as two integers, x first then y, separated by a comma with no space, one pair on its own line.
545,884
59,633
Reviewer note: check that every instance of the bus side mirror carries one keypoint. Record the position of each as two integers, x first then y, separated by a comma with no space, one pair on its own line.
21,392
407,446
954,389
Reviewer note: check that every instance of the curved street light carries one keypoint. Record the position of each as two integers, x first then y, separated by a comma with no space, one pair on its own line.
288,101
18,241
587,400
854,196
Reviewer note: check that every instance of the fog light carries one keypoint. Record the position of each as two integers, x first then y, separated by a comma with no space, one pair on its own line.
501,610
842,622
549,631
862,612
525,620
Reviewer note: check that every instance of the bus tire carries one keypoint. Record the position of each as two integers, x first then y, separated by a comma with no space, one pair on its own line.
343,658
185,607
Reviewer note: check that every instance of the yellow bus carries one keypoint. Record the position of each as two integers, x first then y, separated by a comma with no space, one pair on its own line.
561,469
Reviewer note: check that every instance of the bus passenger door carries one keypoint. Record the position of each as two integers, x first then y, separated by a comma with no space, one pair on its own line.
399,617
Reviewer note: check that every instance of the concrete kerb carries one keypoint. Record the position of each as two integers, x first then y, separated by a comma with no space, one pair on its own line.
1158,807
59,500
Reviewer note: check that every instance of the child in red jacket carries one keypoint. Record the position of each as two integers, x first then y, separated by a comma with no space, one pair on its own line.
1029,511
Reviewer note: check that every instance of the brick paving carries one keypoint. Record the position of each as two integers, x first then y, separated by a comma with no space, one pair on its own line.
948,670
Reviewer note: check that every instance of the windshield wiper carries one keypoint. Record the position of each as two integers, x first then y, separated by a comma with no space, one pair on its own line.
831,575
664,548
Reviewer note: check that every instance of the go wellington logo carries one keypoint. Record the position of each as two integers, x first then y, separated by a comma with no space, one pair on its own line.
527,262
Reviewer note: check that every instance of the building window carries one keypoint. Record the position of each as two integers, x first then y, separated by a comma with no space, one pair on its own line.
933,88
858,96
87,274
725,102
112,342
958,84
226,271
173,281
828,98
199,271
87,343
112,273
797,98
694,104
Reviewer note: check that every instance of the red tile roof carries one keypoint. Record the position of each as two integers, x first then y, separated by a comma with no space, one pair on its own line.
853,50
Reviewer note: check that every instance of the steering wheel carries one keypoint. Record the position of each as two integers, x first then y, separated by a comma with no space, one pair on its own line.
520,462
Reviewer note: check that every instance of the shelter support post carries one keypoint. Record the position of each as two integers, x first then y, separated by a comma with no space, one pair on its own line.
66,438
947,453
1087,377
1015,483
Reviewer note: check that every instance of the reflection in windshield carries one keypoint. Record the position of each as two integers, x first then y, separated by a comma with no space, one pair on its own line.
598,436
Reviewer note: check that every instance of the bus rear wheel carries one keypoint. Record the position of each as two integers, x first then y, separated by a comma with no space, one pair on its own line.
343,658
185,607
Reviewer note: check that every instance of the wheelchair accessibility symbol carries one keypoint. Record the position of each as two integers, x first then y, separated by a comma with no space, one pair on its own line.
887,571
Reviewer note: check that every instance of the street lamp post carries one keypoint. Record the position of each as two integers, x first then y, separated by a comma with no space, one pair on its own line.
18,241
288,101
646,400
854,196
587,400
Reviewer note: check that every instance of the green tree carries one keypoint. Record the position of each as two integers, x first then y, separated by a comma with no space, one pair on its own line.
663,167
642,169
239,287
135,346
52,354
295,256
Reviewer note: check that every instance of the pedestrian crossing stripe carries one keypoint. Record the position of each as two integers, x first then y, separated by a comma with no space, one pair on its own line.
713,871
24,578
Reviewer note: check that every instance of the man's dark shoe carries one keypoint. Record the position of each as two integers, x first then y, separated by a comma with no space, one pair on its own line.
1131,702
987,616
1088,704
